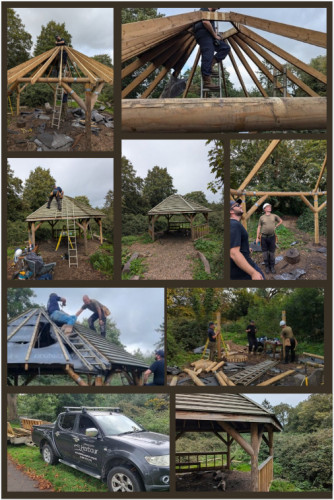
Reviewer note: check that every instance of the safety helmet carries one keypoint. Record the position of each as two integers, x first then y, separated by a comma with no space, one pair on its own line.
17,254
282,323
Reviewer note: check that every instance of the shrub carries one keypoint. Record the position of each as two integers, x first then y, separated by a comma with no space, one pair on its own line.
306,221
102,262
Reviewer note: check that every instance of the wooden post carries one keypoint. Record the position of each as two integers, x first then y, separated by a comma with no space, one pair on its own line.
101,234
218,320
33,241
84,225
228,456
88,118
18,100
254,457
243,206
283,345
316,219
271,441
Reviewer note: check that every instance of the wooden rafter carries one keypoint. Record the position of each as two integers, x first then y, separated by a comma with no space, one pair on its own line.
268,57
192,72
247,66
265,155
282,53
236,69
301,34
320,174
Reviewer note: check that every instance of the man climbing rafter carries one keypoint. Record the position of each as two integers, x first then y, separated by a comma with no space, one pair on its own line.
213,48
99,312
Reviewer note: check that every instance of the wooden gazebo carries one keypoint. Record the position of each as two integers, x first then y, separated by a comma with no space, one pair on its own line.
232,415
71,210
79,68
165,44
177,205
242,192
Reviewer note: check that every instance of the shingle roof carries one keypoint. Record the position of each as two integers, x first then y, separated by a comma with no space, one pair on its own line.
223,407
47,350
69,208
177,204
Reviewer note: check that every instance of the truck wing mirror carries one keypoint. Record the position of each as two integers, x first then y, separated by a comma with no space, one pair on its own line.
91,432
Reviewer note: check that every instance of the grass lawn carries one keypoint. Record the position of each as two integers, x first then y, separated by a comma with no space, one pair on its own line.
56,477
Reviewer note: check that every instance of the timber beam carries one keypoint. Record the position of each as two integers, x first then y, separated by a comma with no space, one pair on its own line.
224,115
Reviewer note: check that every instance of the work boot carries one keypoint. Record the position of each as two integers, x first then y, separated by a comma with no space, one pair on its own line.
272,270
214,62
207,83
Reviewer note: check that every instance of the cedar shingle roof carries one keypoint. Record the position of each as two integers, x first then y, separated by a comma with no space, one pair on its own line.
69,208
176,204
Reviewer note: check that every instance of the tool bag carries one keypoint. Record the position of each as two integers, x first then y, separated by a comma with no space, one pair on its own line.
106,311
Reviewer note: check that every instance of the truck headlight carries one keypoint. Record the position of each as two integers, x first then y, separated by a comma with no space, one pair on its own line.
160,461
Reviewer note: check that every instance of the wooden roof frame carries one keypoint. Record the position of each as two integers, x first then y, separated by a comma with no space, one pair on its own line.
167,43
86,70
241,192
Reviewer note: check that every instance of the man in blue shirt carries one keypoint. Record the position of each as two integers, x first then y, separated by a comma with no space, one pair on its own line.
213,48
58,316
242,266
157,368
212,335
57,193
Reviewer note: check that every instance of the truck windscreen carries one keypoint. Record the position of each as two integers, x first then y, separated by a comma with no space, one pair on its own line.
113,425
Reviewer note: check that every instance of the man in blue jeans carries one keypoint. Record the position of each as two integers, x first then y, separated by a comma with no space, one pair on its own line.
213,48
58,316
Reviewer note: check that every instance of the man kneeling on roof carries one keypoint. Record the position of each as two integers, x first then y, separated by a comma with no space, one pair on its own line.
66,321
99,312
57,193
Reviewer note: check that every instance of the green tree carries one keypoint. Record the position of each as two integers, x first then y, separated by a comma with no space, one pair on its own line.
320,64
198,197
132,186
14,195
132,15
19,41
311,415
305,312
282,412
46,39
104,59
38,187
108,209
18,300
158,185
83,200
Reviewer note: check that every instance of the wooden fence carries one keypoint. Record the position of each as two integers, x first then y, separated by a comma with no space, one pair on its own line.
185,462
266,474
200,231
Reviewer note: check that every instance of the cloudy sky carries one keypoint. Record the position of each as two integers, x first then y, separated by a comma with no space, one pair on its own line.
186,161
276,399
309,18
77,176
137,312
91,29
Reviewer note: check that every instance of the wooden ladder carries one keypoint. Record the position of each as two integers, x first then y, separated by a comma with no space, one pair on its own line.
249,375
59,93
71,238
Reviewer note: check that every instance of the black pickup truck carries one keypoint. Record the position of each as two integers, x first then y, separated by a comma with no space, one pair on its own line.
105,444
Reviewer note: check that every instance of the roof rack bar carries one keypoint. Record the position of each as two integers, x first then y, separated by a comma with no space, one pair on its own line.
83,408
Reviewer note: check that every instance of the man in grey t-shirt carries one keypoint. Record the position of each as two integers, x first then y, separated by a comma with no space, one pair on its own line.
98,313
266,232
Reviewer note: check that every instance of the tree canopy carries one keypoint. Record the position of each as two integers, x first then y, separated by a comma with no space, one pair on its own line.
19,300
19,41
46,39
38,187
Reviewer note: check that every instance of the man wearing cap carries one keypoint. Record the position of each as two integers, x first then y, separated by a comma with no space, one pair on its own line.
242,266
212,335
157,368
266,233
289,342
251,335
212,46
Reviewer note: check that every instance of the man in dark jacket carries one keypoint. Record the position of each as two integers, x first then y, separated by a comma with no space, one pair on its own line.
157,368
212,336
251,335
60,317
213,48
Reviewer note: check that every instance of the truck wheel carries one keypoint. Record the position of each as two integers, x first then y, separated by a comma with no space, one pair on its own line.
123,479
48,455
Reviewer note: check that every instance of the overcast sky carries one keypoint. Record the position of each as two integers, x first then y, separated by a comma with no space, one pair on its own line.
91,29
137,312
314,19
92,177
186,161
276,399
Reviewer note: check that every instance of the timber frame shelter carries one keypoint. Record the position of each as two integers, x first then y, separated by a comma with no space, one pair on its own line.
178,205
233,414
83,69
165,44
70,210
315,193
